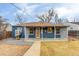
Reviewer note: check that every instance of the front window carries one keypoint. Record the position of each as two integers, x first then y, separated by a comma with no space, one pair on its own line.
31,30
57,31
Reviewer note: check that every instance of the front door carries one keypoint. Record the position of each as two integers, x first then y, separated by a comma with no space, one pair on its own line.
37,32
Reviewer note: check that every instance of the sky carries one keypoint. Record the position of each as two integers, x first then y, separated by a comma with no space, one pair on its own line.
32,10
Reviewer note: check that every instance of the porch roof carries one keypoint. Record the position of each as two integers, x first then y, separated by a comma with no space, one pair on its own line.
41,24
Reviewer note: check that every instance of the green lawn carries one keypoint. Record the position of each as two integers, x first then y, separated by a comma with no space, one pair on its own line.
60,48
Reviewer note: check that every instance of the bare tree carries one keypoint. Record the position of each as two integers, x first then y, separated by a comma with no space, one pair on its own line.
19,18
57,19
51,15
47,17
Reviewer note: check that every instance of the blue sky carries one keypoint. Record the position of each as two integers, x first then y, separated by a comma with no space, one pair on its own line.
64,10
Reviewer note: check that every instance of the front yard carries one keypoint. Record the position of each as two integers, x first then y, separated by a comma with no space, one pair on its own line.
60,48
13,50
13,47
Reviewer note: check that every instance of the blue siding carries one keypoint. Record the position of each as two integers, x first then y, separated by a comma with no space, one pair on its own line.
13,31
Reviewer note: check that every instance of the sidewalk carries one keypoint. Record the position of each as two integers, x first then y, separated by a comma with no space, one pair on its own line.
34,50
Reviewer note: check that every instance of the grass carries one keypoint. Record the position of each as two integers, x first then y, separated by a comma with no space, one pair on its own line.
60,48
13,50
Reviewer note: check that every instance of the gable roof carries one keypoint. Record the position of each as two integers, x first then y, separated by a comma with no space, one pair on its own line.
40,24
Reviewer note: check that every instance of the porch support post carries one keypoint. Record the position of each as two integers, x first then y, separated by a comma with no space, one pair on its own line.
54,32
67,33
42,32
25,32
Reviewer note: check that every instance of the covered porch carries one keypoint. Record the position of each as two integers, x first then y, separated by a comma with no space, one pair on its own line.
46,32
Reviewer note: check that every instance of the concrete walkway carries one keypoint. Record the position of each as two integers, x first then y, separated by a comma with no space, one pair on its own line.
34,50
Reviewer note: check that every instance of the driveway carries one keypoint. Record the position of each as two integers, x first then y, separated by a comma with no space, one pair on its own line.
16,42
12,47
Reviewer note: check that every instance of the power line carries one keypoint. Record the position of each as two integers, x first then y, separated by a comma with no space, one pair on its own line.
20,9
15,6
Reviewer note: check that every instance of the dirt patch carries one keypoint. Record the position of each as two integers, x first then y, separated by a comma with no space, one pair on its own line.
13,50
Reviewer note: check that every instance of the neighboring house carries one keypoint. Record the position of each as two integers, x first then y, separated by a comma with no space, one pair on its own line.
73,29
9,31
40,30
6,33
9,27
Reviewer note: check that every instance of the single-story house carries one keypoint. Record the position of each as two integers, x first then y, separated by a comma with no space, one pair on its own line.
40,30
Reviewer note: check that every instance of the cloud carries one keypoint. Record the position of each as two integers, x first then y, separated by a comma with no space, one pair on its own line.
63,11
67,10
